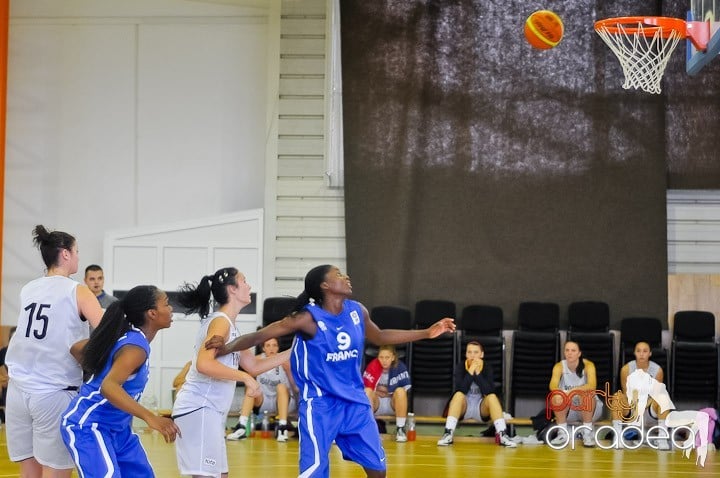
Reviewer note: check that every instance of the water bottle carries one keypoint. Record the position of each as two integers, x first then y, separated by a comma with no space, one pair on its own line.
250,425
411,434
265,427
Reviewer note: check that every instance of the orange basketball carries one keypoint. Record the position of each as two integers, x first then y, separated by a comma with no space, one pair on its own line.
543,29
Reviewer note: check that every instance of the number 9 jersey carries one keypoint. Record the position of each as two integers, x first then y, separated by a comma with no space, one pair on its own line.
38,357
329,363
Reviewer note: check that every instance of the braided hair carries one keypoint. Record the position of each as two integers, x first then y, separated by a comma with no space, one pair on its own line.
312,293
119,317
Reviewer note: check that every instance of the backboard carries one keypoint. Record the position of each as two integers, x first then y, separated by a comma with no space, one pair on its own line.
708,11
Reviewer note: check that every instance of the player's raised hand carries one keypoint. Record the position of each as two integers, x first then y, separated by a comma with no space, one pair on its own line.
440,327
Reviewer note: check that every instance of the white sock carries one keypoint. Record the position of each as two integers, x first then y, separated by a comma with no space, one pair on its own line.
400,422
617,426
451,423
282,423
243,420
500,425
590,426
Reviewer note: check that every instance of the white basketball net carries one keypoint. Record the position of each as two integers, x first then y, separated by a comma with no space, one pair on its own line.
643,59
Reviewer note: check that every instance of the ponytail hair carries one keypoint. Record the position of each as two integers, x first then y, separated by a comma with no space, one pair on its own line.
119,317
196,298
51,243
581,366
312,293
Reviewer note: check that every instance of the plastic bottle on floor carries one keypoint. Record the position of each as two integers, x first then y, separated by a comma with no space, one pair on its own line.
411,433
265,426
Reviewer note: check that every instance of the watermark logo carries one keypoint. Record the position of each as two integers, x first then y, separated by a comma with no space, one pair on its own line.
649,437
582,400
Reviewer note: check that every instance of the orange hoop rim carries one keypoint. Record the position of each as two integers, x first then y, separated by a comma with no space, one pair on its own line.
650,26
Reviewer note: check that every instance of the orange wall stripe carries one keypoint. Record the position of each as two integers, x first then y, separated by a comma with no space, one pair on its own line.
4,24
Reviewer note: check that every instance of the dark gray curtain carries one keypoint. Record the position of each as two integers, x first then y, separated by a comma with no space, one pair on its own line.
480,170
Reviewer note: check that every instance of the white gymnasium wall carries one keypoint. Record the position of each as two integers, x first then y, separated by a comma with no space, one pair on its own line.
172,254
133,113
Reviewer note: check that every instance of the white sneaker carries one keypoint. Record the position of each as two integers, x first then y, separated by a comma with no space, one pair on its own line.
282,436
503,440
561,439
400,435
531,440
238,434
447,438
587,438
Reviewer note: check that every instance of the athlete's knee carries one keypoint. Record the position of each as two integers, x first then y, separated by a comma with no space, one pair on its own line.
375,473
459,397
491,399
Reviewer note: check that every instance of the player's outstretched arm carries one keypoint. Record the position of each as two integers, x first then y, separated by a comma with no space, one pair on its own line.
256,364
301,321
398,336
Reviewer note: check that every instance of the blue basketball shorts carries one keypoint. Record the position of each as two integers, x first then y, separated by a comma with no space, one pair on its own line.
351,425
103,453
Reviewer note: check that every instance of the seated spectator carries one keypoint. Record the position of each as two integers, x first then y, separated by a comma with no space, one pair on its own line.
277,387
575,373
475,397
624,412
387,381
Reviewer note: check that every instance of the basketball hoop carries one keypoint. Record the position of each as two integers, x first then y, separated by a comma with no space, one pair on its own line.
644,45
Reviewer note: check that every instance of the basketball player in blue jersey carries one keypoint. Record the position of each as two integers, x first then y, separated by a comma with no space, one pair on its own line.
96,427
330,331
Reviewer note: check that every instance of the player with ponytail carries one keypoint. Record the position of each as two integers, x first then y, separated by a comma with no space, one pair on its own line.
97,425
44,377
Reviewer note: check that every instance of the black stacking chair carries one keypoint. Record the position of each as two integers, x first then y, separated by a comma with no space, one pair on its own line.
274,309
589,326
432,361
390,317
694,354
484,324
536,350
643,329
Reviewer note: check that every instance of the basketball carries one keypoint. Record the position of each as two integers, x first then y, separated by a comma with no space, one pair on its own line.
543,29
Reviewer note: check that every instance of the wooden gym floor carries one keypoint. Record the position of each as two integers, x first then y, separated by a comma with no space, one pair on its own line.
469,456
